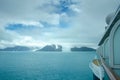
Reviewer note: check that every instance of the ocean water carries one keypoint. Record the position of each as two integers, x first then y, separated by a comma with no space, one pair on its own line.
45,65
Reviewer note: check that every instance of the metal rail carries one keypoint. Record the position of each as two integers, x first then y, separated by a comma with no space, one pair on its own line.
112,75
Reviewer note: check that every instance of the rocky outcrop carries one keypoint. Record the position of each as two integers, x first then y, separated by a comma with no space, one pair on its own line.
82,49
51,48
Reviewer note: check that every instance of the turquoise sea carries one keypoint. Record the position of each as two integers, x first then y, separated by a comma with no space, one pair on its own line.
45,65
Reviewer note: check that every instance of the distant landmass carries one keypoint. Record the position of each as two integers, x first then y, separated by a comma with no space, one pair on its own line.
16,48
82,49
46,48
51,48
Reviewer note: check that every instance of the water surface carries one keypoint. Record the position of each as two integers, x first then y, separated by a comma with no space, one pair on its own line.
45,65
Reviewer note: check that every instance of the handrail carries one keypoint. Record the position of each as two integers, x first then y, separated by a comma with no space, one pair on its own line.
112,75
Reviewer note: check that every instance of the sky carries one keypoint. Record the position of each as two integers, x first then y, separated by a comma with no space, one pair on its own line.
36,23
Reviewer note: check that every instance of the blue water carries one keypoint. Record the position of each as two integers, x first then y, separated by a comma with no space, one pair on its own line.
45,65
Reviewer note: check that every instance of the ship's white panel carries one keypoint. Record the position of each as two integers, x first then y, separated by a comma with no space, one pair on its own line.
100,51
106,50
116,44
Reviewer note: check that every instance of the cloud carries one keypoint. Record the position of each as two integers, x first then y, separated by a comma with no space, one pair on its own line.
41,22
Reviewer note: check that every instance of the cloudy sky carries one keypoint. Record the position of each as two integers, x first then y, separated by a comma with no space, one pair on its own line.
41,22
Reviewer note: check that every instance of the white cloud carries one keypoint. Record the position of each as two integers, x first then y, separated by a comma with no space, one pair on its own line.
53,19
85,28
28,41
31,23
75,8
25,10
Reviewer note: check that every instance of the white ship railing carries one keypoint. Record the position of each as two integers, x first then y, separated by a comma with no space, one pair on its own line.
112,75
